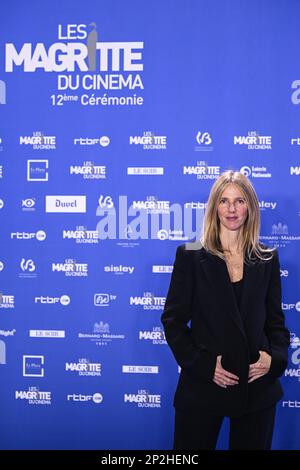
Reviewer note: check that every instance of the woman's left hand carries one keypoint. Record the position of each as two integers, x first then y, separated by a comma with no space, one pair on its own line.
261,367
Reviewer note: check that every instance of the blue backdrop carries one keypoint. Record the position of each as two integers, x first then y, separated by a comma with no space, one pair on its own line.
115,120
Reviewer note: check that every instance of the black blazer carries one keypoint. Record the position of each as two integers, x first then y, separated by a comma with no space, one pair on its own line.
201,293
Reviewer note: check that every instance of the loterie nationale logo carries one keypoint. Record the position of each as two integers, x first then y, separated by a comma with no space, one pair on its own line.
89,71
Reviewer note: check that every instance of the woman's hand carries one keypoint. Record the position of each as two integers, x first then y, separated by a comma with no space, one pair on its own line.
261,367
222,377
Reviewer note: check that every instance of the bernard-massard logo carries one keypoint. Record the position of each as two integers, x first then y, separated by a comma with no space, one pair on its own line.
88,70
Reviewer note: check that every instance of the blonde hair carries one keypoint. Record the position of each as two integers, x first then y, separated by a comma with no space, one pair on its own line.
250,245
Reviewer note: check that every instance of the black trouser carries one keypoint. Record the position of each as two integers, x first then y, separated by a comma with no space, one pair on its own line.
200,430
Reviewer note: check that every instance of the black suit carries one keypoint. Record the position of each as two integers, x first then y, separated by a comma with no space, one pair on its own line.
201,293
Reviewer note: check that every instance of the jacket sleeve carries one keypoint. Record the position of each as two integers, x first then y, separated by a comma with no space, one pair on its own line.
194,359
276,331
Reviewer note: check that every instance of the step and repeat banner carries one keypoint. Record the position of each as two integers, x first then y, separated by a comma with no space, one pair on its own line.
115,120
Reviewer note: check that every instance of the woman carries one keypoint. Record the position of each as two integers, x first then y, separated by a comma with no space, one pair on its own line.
235,346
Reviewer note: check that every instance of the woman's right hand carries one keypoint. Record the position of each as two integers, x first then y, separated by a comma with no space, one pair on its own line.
222,377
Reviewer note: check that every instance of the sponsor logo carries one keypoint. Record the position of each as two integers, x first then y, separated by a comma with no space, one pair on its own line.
33,366
47,333
34,396
195,205
280,236
291,404
162,269
63,300
149,141
39,141
28,269
7,301
1,203
119,269
254,141
103,300
89,170
267,205
104,141
71,268
40,235
204,141
28,204
81,62
152,206
148,171
1,171
84,367
66,204
202,170
105,202
101,335
173,235
1,266
37,170
295,306
96,398
280,229
140,369
81,235
156,336
143,399
255,172
27,265
148,301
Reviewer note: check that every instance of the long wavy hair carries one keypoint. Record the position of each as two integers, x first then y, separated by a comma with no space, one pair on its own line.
250,245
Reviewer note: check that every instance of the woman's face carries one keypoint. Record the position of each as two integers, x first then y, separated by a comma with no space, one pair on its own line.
232,208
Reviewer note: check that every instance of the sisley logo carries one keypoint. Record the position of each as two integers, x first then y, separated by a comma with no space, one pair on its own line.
66,204
119,269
